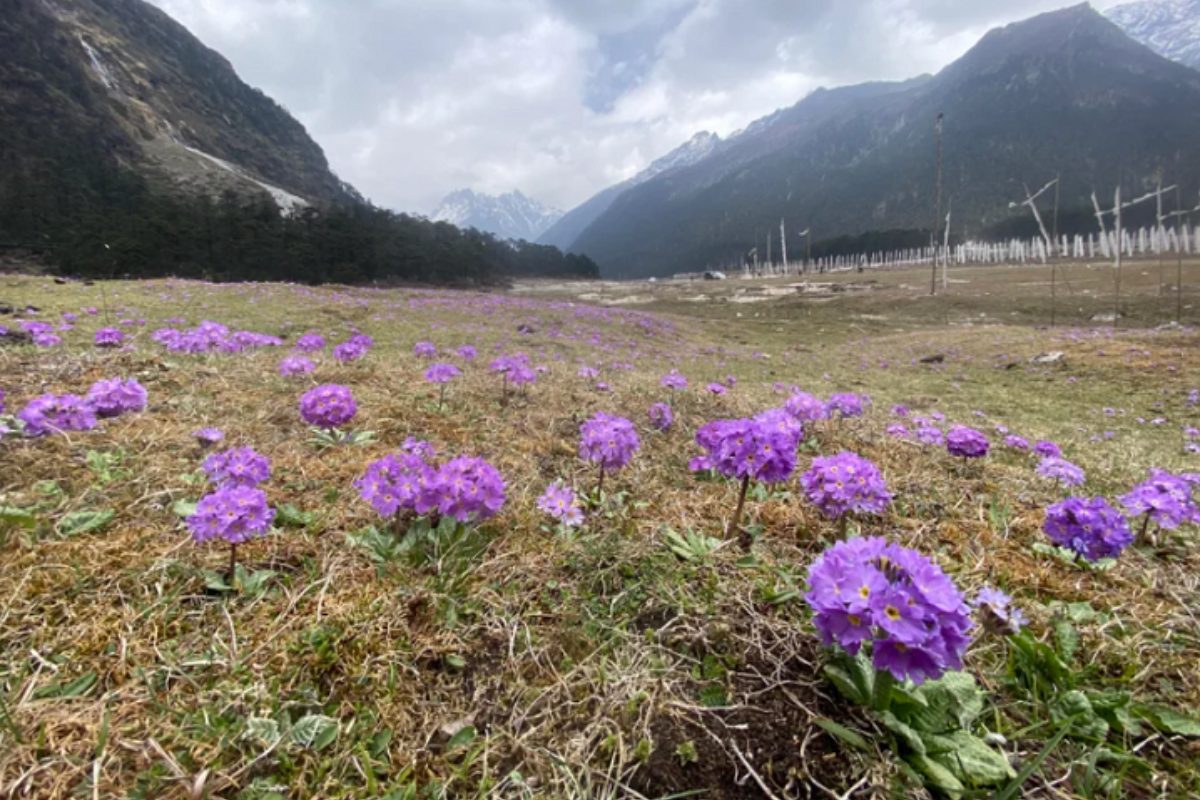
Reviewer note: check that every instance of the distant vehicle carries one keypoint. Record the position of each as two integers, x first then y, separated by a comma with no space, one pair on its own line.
653,280
713,275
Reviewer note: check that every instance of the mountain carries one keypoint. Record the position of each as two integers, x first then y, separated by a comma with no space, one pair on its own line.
1066,92
564,232
1170,28
509,216
122,77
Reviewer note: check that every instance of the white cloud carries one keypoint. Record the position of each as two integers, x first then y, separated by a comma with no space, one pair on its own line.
412,99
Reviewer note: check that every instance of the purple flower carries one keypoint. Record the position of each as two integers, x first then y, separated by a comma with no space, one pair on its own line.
1090,528
661,416
57,414
730,381
515,369
560,502
1016,443
900,411
588,373
207,437
805,407
418,447
46,340
928,434
467,352
674,381
241,466
1047,450
898,431
1061,470
760,449
115,397
234,513
310,343
349,351
328,406
1,401
424,350
845,483
966,442
608,441
996,612
442,373
468,489
1166,499
716,388
394,482
868,591
846,405
109,337
295,365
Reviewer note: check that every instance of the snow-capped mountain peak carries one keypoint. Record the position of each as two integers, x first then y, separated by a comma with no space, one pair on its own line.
509,216
1169,27
690,152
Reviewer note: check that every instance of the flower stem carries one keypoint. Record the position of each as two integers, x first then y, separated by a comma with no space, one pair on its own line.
441,396
600,486
232,562
843,524
881,697
737,513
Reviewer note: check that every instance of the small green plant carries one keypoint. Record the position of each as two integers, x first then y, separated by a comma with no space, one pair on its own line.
692,546
686,753
324,439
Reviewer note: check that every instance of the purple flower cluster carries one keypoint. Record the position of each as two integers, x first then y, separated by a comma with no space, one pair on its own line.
207,437
2,401
845,483
424,350
234,513
662,417
966,442
1047,450
468,489
1089,527
210,337
57,414
761,449
328,406
109,337
295,365
868,591
608,441
1061,470
515,369
467,352
996,612
560,502
352,350
805,407
846,405
310,343
442,373
716,389
1166,499
930,435
1016,443
241,466
115,397
674,381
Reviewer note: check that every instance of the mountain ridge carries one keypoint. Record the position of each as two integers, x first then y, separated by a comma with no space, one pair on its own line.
510,216
1065,92
1169,27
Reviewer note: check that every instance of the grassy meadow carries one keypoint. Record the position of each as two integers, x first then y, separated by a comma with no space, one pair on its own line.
641,655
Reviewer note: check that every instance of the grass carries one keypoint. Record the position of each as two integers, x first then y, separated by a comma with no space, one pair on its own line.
644,656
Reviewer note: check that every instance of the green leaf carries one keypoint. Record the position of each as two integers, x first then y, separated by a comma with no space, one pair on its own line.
461,739
852,738
185,508
253,583
1075,704
215,581
85,522
904,732
76,688
11,515
457,662
1067,639
936,774
293,517
380,742
1168,721
263,729
970,759
1013,788
845,684
958,693
314,731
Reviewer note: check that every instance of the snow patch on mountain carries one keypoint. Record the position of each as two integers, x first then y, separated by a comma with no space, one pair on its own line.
509,216
288,203
1169,27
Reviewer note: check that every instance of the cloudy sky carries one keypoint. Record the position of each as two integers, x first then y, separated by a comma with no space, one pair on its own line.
412,99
